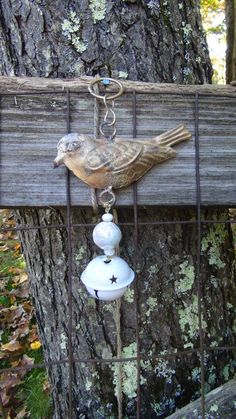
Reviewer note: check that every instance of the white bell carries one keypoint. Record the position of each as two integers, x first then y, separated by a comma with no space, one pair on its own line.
107,235
107,278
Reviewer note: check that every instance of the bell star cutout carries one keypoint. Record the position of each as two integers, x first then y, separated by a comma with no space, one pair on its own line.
102,164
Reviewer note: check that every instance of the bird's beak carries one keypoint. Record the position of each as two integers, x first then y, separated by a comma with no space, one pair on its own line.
58,160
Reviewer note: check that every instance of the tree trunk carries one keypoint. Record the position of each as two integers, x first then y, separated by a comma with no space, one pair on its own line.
230,12
150,41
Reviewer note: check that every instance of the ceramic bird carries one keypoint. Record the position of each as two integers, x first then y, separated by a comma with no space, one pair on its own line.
117,164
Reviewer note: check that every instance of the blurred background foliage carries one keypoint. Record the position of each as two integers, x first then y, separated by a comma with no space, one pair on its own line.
213,16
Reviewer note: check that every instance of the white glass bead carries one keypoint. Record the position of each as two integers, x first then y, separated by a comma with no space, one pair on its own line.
107,236
107,279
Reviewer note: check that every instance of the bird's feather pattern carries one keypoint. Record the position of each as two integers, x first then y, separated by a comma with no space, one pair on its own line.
114,156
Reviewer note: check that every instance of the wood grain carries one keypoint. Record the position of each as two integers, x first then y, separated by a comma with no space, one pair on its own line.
221,399
31,126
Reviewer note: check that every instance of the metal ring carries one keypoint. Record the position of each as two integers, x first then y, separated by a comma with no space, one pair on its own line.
107,203
111,97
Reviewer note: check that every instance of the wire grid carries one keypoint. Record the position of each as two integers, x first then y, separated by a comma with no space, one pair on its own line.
70,360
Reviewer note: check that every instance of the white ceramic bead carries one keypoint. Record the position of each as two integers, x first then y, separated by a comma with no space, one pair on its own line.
107,236
107,279
107,217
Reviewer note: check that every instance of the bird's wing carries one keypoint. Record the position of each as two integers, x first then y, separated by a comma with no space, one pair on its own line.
113,156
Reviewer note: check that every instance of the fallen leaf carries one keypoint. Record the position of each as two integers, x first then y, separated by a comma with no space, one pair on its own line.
11,222
22,414
26,360
12,299
21,331
14,270
12,315
33,335
23,277
4,248
36,345
22,292
12,346
27,306
4,397
15,363
9,380
17,246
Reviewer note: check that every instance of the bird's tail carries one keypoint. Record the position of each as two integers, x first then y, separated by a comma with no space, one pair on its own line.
173,136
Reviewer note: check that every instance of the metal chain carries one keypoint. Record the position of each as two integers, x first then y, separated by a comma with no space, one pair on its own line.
109,119
108,100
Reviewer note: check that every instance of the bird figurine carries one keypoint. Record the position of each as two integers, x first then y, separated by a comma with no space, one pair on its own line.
117,164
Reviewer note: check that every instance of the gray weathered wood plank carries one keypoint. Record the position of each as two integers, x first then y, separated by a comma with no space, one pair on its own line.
32,125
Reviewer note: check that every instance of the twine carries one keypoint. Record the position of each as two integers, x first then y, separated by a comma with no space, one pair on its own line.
96,134
118,340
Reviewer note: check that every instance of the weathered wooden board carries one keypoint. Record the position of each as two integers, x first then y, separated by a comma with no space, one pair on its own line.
31,126
220,400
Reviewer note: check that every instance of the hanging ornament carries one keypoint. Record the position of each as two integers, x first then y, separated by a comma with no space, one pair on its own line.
112,164
111,161
107,277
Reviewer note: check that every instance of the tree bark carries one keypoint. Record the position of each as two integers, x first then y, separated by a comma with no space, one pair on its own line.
230,12
155,41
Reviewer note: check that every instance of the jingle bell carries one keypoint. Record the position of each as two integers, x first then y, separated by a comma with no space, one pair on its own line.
107,279
108,276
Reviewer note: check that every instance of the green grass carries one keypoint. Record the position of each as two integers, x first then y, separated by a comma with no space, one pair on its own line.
37,401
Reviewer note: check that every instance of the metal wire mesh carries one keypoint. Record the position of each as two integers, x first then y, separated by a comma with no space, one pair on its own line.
202,349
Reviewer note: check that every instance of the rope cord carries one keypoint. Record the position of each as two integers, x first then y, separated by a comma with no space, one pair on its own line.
119,341
96,134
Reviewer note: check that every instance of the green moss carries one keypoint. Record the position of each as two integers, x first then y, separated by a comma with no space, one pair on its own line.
214,408
98,9
129,296
152,304
188,320
88,384
196,375
186,281
123,75
229,370
110,307
212,244
234,326
211,376
166,404
63,343
128,372
163,370
91,302
71,29
152,270
81,253
187,32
